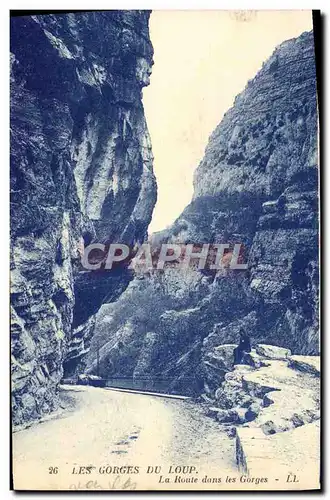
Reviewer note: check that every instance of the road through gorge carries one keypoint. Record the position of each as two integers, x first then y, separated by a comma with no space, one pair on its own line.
103,430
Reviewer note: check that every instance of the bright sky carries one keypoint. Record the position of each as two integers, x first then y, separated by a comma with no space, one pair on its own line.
203,59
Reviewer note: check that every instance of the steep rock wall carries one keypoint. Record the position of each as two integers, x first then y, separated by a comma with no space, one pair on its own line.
81,171
266,146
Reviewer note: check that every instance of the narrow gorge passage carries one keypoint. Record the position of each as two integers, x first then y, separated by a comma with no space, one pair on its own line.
110,428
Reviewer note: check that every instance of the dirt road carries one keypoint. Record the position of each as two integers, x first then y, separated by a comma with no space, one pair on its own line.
106,429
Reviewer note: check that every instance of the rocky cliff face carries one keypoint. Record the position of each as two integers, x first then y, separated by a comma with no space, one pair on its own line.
257,185
266,146
81,171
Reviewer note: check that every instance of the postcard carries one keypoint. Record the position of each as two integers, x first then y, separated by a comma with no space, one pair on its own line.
165,250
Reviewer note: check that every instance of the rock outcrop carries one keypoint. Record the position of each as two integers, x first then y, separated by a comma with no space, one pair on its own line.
271,405
257,185
262,402
81,171
269,390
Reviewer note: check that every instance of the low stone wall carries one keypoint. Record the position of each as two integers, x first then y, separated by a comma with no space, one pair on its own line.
295,453
263,403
